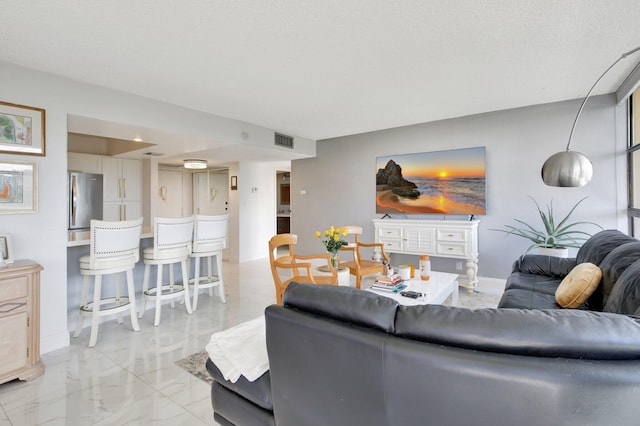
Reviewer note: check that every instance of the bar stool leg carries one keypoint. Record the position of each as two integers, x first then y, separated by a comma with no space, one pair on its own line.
171,284
210,273
83,301
156,322
220,281
145,289
185,282
132,301
118,295
196,282
97,292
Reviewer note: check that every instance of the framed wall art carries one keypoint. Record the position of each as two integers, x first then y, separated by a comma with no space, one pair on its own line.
234,183
6,252
18,187
22,129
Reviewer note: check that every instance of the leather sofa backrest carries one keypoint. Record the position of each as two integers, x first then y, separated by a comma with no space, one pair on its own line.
596,248
614,264
625,295
542,333
343,303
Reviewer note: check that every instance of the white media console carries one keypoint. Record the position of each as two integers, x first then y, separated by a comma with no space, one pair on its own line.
456,239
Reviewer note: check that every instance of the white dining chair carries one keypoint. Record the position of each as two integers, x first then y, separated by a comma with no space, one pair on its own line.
114,248
209,239
171,244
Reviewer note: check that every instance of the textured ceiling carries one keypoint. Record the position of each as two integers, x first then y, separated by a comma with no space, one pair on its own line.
321,69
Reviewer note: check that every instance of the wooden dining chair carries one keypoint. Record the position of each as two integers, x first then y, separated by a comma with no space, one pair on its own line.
361,266
287,267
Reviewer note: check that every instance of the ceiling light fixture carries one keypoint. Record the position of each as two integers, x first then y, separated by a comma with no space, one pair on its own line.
571,168
195,164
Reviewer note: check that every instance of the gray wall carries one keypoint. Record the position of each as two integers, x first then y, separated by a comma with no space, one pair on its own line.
340,181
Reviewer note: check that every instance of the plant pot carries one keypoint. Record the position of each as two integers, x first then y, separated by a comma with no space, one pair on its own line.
555,252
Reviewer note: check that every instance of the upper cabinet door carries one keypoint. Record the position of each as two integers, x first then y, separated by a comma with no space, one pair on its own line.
122,179
112,179
132,180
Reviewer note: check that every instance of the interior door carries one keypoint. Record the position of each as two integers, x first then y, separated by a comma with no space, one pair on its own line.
211,193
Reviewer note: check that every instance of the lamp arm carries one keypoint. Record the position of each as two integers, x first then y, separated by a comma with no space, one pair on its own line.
623,56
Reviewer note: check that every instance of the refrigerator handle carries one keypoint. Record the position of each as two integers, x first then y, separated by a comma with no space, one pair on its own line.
74,199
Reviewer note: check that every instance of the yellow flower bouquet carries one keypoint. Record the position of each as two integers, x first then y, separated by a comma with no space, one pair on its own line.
333,240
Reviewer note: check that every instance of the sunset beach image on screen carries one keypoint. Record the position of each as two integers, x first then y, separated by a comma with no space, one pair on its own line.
439,182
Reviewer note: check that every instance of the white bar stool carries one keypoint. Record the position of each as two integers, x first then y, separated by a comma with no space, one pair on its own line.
114,248
209,239
171,244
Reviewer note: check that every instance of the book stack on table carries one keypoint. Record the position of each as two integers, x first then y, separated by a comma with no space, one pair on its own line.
392,283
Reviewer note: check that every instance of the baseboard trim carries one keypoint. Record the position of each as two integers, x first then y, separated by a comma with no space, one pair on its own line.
491,285
54,342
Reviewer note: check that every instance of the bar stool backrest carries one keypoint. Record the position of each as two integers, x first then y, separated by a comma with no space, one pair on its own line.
210,233
114,244
172,235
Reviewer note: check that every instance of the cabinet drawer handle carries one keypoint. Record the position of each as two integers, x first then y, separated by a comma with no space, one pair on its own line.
450,248
8,307
450,235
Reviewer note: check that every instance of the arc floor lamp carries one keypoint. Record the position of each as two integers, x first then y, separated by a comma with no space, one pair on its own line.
571,168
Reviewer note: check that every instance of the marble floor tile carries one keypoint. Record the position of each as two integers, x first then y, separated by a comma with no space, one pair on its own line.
131,377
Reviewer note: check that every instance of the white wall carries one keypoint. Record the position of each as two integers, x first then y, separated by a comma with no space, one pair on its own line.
43,236
340,181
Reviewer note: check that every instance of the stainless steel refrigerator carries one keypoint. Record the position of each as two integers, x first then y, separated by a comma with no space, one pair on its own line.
85,199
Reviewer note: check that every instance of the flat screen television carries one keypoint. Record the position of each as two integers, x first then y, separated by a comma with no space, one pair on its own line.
448,182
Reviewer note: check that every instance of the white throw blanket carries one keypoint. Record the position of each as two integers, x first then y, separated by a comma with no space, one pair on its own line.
240,350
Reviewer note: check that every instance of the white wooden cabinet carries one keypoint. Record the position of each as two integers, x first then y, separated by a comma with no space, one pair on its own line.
86,163
456,239
20,321
122,191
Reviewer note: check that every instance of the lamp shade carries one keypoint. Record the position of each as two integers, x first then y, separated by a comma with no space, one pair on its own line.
567,169
195,164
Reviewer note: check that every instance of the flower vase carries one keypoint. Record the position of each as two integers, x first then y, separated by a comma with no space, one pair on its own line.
335,260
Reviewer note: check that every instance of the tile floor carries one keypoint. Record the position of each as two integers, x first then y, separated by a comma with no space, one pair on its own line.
131,378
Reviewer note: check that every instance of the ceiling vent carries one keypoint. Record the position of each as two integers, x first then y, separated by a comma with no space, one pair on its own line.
283,140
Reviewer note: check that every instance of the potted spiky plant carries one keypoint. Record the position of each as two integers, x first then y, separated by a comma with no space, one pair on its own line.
555,237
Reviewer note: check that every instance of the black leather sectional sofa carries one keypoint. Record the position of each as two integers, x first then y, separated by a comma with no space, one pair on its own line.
342,356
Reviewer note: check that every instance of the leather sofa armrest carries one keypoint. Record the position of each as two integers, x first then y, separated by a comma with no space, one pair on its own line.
539,264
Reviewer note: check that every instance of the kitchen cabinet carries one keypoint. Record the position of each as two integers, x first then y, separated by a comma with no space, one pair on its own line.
85,163
457,239
20,321
122,191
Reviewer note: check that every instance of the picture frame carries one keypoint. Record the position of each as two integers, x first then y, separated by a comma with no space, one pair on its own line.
234,183
18,187
6,251
22,129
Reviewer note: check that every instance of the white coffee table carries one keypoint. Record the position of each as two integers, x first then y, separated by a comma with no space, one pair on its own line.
434,291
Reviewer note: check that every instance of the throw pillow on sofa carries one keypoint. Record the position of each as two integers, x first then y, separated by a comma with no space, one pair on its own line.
578,285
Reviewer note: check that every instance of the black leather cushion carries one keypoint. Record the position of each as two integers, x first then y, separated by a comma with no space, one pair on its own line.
543,333
615,263
538,283
348,304
625,295
231,408
596,248
527,299
538,264
258,391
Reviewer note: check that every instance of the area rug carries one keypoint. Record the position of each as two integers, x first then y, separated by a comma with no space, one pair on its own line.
195,363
